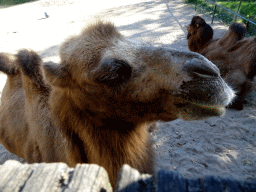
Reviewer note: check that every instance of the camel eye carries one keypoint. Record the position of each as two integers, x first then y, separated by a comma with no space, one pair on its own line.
113,72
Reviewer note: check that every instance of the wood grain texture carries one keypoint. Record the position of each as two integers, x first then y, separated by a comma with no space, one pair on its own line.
58,177
129,179
15,176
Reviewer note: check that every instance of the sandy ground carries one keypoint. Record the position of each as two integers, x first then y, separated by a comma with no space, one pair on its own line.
222,146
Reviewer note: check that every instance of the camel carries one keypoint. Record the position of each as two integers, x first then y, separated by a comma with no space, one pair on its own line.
233,54
96,104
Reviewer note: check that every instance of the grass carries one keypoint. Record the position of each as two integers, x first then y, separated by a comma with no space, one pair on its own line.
247,10
12,2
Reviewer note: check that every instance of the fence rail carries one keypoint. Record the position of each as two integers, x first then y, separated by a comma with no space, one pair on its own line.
48,177
236,14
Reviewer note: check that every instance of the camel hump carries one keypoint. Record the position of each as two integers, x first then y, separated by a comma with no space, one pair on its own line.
239,29
235,33
29,63
8,64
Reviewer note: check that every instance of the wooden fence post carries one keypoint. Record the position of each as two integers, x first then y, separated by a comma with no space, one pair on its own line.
238,9
214,12
247,26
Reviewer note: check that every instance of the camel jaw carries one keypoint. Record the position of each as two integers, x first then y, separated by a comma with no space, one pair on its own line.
194,111
210,103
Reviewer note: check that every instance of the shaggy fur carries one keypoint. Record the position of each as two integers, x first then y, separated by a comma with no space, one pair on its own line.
233,54
94,107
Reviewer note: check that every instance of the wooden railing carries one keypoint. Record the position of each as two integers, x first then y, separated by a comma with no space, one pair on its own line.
47,177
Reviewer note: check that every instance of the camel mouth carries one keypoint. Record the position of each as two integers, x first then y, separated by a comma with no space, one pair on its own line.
202,103
213,93
197,111
209,107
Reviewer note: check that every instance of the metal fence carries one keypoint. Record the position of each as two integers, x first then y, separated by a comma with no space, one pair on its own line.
226,15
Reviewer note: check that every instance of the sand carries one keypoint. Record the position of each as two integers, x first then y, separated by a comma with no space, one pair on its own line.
220,146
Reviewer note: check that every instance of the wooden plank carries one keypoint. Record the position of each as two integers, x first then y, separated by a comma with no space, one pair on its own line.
15,176
173,181
90,177
45,177
129,179
12,175
58,177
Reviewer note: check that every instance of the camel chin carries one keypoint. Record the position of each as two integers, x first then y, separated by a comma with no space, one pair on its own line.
190,110
194,111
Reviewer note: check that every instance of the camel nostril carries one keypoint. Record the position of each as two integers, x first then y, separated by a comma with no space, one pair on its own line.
202,69
204,73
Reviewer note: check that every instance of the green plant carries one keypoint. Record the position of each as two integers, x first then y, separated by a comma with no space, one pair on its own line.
13,2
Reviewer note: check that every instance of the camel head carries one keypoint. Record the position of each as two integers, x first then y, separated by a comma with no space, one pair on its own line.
110,76
198,33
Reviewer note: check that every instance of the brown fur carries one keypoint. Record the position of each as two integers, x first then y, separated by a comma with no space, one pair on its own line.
233,54
94,106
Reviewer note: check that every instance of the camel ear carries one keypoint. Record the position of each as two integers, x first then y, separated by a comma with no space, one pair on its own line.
55,75
112,72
